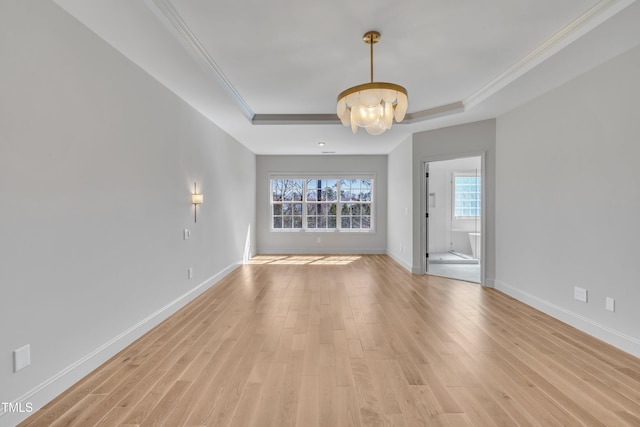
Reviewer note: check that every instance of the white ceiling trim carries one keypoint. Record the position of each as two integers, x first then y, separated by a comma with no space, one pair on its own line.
295,119
593,17
168,14
170,17
332,119
435,112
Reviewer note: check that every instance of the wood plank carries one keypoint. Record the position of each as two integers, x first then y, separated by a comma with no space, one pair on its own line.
308,408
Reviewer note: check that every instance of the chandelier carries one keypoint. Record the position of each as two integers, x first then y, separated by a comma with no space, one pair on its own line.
373,105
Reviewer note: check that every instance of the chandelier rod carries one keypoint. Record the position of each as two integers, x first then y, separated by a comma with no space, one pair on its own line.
371,54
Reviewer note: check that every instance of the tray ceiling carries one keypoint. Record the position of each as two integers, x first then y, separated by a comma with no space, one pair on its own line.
268,73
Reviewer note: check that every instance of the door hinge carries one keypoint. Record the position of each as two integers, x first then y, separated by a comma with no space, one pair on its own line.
427,175
426,215
427,254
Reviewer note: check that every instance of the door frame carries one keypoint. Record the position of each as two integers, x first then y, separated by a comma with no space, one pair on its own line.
424,207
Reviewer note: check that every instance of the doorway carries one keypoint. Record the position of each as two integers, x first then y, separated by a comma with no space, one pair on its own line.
453,218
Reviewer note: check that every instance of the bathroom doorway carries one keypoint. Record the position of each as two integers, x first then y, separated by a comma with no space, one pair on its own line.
453,219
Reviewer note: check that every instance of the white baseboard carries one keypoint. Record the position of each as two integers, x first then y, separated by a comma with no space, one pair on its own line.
406,265
57,384
609,335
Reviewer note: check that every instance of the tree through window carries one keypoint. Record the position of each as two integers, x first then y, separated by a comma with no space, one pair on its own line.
321,204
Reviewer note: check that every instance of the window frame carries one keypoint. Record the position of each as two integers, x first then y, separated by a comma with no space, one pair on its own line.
305,177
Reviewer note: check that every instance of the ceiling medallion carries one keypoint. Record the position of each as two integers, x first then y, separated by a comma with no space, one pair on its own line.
374,105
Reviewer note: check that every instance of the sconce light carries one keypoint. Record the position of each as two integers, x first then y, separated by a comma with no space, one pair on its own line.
196,199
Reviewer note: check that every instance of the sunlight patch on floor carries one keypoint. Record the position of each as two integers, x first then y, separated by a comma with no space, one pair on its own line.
303,259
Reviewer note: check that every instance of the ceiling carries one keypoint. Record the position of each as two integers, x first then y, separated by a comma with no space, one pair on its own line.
268,73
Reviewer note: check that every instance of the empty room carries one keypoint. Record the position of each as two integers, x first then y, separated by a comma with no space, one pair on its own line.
340,213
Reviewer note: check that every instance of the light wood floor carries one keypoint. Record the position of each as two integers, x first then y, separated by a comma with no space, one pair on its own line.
354,340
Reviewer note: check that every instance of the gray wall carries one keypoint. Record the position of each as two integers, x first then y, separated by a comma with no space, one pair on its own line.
269,242
97,162
568,201
466,140
400,205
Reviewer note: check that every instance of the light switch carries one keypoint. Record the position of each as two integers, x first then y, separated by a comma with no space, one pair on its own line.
187,234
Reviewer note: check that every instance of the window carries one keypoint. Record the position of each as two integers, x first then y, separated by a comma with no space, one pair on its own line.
322,204
287,206
467,195
355,195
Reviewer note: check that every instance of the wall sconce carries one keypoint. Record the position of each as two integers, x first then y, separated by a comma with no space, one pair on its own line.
196,199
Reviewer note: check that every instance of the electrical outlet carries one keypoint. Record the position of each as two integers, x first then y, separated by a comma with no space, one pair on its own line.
187,234
21,358
580,294
610,304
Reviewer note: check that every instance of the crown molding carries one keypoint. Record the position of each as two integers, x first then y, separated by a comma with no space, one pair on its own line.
295,119
168,14
435,112
332,119
593,17
175,23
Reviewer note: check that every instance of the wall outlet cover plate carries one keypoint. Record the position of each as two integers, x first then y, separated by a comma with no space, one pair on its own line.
21,358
